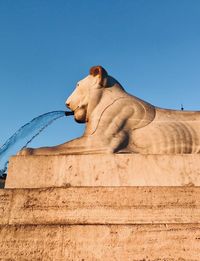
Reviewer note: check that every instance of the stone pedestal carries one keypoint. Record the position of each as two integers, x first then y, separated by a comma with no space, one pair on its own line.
103,170
88,207
110,223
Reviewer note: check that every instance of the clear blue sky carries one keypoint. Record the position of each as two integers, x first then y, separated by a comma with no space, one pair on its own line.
151,46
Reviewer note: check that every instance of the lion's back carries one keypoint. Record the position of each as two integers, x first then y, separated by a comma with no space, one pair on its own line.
171,132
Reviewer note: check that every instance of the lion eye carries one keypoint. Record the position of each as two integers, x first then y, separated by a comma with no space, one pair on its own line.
77,84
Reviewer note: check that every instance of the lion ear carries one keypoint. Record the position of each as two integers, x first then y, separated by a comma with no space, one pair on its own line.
99,71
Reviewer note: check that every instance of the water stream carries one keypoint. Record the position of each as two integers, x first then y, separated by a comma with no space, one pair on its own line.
21,138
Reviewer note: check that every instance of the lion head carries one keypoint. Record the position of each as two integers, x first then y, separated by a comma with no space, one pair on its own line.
81,99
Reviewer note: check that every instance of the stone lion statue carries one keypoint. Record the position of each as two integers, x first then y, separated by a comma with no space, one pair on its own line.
117,122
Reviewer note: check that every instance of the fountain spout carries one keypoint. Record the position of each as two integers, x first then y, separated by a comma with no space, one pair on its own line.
68,113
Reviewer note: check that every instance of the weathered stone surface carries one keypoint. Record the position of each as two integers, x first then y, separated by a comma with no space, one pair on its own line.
100,205
30,242
101,242
103,170
100,223
5,205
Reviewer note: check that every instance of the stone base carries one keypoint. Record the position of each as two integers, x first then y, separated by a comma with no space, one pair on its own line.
146,223
97,243
75,215
103,170
100,205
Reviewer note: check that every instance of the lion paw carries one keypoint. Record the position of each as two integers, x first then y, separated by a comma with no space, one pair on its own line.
25,152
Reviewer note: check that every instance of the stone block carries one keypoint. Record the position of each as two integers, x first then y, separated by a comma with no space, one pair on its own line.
103,170
100,205
162,242
100,223
6,197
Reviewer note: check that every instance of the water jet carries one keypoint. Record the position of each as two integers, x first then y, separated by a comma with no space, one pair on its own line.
25,135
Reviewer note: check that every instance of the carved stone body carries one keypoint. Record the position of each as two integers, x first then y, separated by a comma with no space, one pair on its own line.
117,122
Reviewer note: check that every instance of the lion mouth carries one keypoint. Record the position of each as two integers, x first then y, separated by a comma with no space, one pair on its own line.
80,114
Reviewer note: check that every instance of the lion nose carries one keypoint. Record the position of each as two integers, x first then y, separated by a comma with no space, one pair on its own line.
67,103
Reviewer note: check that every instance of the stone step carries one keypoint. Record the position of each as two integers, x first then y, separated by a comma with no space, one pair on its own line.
173,242
100,205
103,170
